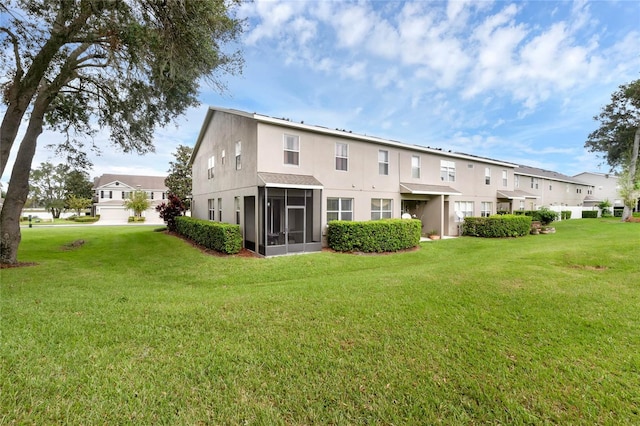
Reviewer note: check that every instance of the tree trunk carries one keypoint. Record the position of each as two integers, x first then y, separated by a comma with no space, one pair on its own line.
18,189
628,210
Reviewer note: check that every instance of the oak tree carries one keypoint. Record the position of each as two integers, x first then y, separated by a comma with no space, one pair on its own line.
122,66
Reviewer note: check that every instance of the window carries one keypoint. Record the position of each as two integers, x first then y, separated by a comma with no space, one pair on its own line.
534,183
516,181
236,201
150,195
291,150
463,209
504,178
550,187
383,162
164,195
521,204
110,194
222,157
342,156
415,166
486,209
212,208
487,175
447,171
339,209
219,209
381,208
238,155
124,196
578,190
211,164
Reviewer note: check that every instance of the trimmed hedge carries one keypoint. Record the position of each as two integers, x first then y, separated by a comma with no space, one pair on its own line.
542,215
589,214
222,237
374,236
565,214
497,226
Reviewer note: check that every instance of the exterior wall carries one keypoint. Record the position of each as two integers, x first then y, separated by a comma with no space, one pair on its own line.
605,187
222,133
552,192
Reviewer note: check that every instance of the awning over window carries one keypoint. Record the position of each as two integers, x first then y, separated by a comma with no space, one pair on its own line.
421,189
516,195
285,180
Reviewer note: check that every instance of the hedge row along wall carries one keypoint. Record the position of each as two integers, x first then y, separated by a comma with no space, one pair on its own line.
374,236
222,237
497,226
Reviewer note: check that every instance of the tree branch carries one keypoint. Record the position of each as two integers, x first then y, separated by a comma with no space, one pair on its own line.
16,52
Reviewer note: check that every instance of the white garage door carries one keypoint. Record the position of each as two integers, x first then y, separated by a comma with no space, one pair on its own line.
114,214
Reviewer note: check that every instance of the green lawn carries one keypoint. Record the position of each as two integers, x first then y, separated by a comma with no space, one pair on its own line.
138,327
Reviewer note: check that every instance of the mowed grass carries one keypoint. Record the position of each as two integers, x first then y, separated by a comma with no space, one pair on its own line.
138,327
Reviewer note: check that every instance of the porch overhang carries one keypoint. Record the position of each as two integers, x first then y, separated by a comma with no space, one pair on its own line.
515,195
422,189
285,180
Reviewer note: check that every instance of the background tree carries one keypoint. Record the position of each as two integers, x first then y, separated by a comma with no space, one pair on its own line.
78,184
629,191
179,179
619,134
48,187
127,66
139,202
78,204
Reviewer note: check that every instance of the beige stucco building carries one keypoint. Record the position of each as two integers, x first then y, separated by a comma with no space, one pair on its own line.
283,181
111,191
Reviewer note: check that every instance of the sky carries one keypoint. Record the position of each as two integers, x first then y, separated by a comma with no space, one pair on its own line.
513,81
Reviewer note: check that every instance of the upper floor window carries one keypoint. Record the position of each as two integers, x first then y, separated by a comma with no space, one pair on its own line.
516,181
238,155
383,162
415,166
447,171
339,209
342,156
237,205
219,209
534,183
504,178
291,150
487,175
222,157
211,164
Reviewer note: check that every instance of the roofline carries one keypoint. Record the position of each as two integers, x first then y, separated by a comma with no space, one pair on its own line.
340,133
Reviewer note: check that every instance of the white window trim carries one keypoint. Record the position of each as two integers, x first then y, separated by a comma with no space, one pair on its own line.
340,211
417,168
341,157
286,149
383,162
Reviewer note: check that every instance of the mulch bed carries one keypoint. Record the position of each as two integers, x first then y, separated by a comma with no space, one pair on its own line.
16,265
242,253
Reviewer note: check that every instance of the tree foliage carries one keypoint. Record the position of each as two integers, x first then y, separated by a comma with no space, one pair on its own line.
619,138
78,204
122,66
78,184
139,202
179,179
48,187
169,211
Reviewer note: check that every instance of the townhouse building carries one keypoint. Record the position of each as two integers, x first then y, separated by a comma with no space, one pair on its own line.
283,181
111,191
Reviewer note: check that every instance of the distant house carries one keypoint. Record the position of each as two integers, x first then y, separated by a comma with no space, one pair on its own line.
111,191
284,181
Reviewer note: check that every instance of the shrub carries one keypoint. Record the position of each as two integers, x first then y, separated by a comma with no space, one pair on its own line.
543,215
169,211
374,236
565,214
222,237
136,219
497,226
85,219
589,214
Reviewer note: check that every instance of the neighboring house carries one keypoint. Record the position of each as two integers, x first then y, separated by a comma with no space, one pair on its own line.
283,181
605,188
112,190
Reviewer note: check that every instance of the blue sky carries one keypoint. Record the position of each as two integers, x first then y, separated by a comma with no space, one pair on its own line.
514,81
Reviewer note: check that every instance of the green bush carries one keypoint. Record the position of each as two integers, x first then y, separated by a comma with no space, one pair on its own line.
136,219
85,219
374,236
589,214
222,237
497,226
565,214
543,215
